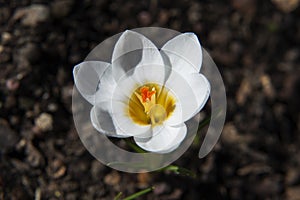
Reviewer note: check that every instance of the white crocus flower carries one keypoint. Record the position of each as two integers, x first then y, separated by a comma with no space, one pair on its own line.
151,99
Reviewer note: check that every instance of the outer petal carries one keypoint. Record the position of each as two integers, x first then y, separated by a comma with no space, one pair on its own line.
201,89
106,87
167,138
184,52
86,76
102,121
132,49
186,104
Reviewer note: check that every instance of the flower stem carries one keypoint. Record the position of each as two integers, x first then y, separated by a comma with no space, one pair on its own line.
179,170
134,147
140,193
118,196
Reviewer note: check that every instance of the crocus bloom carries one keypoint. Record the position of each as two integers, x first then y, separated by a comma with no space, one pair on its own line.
149,99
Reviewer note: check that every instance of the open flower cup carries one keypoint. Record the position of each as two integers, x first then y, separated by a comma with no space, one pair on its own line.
145,92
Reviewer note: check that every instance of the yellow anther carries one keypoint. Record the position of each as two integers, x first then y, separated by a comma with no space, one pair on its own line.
151,104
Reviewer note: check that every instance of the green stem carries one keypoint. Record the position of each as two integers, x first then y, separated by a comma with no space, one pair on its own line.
204,122
118,196
140,193
179,170
134,147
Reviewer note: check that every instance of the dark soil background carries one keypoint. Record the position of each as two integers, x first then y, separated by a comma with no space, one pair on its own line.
255,45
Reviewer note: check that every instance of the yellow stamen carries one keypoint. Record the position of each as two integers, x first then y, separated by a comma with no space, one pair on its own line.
151,106
147,98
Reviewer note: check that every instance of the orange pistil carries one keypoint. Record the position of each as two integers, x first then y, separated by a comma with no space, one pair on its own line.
146,94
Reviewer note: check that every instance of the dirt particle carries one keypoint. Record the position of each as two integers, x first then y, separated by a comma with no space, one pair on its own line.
267,86
60,9
6,38
32,15
56,169
44,122
145,18
112,178
161,188
293,193
243,92
12,84
143,179
34,157
286,5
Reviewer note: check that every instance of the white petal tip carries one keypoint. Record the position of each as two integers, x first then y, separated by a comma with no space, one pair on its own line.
191,35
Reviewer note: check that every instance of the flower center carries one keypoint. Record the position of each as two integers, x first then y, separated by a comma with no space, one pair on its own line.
151,104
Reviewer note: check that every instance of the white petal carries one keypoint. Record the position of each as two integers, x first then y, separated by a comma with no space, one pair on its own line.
167,138
184,52
142,75
133,49
106,87
150,74
86,77
171,148
124,122
102,121
186,99
124,89
201,89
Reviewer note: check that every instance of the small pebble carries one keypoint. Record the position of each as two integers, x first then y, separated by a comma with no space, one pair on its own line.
52,107
44,122
286,5
292,176
293,193
230,134
144,18
163,17
292,55
247,7
96,169
62,8
56,169
6,37
243,92
12,84
267,86
161,188
143,179
32,15
34,157
112,178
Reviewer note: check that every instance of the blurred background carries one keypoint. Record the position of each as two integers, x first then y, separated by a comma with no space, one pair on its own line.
255,45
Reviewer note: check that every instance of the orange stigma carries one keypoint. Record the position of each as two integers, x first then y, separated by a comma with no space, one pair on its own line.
146,94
